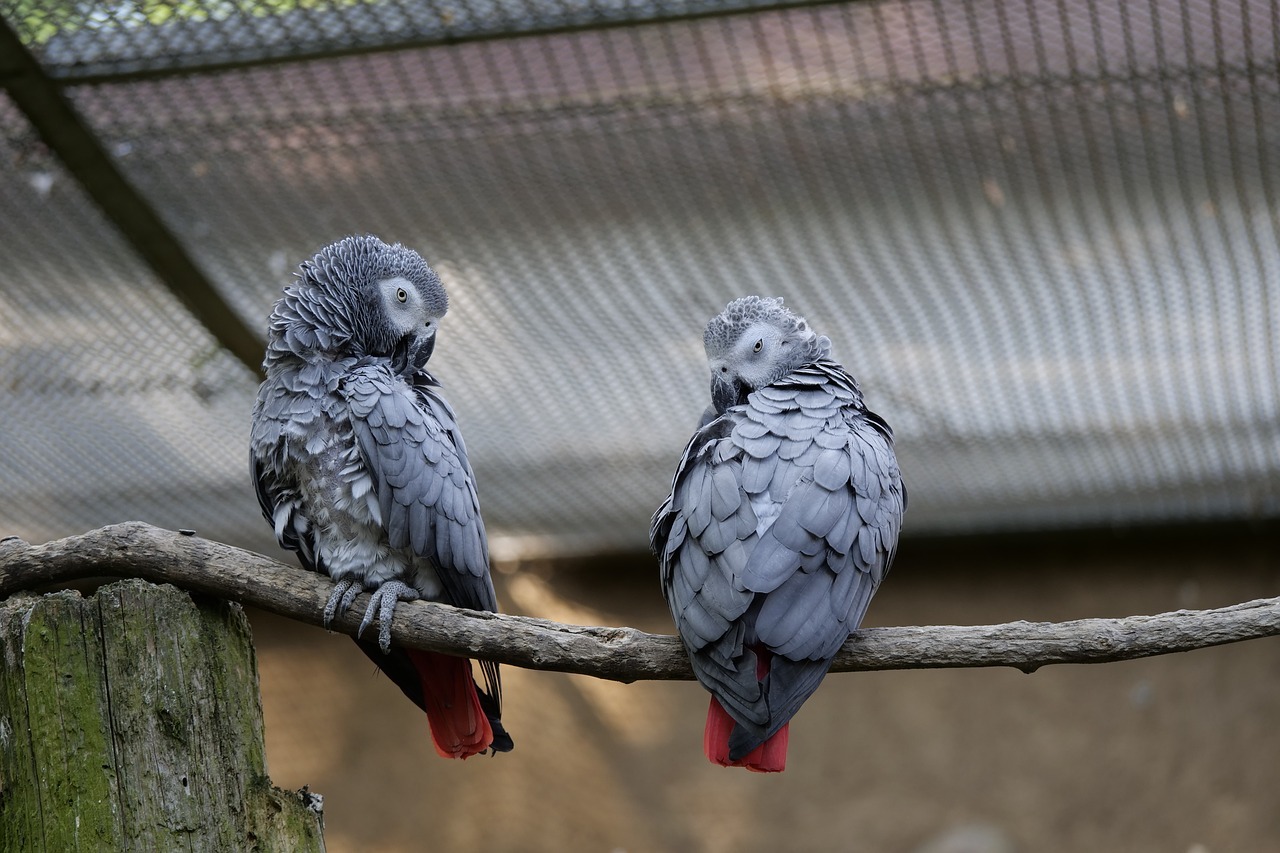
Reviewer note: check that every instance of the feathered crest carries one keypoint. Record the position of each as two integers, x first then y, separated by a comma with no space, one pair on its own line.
328,305
340,267
740,314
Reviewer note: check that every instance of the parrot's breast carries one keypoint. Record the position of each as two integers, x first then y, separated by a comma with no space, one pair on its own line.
339,499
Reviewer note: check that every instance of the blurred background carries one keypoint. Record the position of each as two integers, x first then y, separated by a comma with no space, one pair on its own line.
1042,233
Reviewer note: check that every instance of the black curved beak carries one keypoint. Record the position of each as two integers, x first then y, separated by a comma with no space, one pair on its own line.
727,393
410,354
422,350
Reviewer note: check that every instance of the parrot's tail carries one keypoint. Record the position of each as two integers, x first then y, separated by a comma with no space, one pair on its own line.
768,757
460,727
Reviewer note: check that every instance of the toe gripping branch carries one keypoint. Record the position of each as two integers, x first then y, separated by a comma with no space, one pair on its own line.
382,606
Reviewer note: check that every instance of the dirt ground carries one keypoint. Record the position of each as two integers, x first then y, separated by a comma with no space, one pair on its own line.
1177,754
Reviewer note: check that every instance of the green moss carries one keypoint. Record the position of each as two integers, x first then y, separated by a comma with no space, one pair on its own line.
38,21
65,706
132,720
280,820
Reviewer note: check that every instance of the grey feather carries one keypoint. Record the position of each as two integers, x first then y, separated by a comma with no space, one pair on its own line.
685,584
785,475
747,428
762,447
699,498
780,394
699,624
831,469
718,536
822,510
720,595
747,523
793,612
840,537
726,493
769,563
757,474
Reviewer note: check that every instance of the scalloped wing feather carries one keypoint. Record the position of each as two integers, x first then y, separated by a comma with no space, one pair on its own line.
409,443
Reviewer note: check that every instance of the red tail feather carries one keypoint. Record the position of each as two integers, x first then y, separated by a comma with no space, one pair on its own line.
768,757
459,727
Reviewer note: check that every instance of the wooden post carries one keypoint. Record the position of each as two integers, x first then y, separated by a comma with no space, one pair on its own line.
131,720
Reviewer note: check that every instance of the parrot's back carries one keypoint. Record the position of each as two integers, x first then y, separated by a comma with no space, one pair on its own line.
782,522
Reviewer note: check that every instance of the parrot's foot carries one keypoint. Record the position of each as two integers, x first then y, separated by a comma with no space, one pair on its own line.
344,592
383,603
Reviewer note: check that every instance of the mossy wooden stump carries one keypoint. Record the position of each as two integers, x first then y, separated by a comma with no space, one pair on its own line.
131,720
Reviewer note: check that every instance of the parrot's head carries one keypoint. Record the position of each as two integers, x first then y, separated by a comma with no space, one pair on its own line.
361,297
754,342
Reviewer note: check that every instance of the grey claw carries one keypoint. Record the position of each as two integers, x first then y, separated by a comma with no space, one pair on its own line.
383,604
348,597
344,592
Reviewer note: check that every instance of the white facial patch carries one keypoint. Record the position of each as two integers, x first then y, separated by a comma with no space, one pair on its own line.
402,304
756,367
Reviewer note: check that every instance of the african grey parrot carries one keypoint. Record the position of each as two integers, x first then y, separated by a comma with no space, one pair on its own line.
361,469
782,521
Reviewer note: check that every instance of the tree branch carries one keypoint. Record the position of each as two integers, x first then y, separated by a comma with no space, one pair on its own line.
619,654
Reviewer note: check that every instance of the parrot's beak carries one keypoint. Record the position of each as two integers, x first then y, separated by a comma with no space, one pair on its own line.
421,351
411,353
726,392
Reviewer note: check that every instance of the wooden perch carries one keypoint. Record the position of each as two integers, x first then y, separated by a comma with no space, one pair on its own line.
619,654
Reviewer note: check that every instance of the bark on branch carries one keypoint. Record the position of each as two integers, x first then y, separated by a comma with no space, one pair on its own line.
139,550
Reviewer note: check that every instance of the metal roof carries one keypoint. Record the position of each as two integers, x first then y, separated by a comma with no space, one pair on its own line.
1041,233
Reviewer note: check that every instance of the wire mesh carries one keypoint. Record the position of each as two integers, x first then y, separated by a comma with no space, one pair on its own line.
96,38
115,403
1041,233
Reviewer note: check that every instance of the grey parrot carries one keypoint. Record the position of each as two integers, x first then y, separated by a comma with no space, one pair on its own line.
782,521
360,468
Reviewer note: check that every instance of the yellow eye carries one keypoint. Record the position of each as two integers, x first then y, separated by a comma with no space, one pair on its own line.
759,346
402,294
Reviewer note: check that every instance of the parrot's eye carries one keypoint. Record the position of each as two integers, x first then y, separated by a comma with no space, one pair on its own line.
759,346
402,294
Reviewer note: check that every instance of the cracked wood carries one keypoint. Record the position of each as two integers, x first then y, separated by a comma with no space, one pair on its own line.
622,654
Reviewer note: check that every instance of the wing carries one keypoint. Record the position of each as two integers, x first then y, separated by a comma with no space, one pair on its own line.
700,534
834,538
824,557
838,527
409,442
277,492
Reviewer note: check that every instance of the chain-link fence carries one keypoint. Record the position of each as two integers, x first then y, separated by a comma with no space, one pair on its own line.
1042,233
